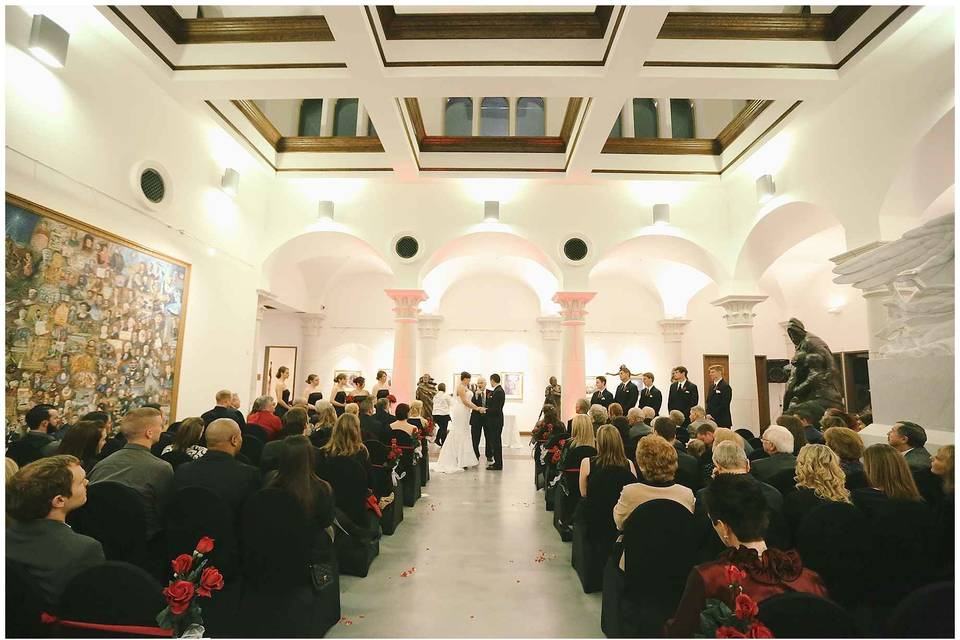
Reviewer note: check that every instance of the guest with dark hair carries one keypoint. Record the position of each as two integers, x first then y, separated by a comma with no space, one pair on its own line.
295,423
909,438
84,442
848,445
888,477
263,414
740,516
618,420
42,422
794,425
218,469
186,445
370,427
402,412
811,430
382,413
849,421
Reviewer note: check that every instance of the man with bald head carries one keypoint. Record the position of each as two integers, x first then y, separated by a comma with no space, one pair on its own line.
218,469
137,468
224,409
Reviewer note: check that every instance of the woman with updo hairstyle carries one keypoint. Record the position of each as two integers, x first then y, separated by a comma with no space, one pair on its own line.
402,413
359,391
381,389
281,392
84,441
740,515
312,392
820,480
848,445
186,443
338,394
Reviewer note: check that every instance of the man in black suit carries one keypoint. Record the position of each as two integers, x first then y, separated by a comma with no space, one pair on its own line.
602,395
218,470
909,438
493,423
650,396
42,420
688,470
477,418
718,398
778,443
683,394
224,409
627,392
369,425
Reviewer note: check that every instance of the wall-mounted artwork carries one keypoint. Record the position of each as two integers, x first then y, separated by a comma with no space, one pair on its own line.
512,385
93,321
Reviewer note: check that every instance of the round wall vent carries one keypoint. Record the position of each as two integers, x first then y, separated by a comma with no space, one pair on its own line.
152,185
406,247
575,249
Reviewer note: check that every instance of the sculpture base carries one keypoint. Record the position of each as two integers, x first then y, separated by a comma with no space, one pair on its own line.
916,389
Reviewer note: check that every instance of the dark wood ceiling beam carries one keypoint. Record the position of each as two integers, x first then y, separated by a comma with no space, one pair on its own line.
494,26
233,30
329,144
715,25
493,144
260,122
663,146
570,117
743,120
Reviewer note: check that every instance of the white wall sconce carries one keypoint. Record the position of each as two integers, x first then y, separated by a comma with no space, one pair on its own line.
661,214
326,210
491,211
48,41
230,182
766,188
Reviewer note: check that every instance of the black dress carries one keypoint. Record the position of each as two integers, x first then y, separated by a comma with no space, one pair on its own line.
797,504
604,485
383,393
314,397
341,397
280,410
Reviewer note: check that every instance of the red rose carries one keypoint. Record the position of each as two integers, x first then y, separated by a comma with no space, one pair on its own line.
181,564
729,632
745,608
210,580
758,630
205,545
179,595
733,574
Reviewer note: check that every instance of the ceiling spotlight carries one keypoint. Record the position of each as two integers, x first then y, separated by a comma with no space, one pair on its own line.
211,251
491,211
765,188
230,182
661,214
48,41
326,210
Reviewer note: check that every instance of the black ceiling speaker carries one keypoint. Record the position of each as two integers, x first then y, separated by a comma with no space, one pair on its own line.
152,186
406,247
776,371
575,249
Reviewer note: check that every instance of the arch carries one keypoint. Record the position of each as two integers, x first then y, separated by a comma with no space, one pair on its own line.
535,277
531,117
645,122
345,117
671,247
494,117
458,117
682,119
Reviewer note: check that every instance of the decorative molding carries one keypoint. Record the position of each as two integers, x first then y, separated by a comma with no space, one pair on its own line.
407,303
853,253
715,25
739,124
233,30
312,323
550,327
416,118
492,144
329,144
494,26
260,122
673,328
570,118
739,309
428,325
573,305
663,146
760,137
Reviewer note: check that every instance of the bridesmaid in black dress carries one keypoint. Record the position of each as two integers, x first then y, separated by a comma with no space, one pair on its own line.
358,389
382,388
281,392
338,395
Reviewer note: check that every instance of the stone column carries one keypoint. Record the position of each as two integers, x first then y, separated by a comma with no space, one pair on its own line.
407,309
738,312
311,324
573,371
429,327
551,331
673,341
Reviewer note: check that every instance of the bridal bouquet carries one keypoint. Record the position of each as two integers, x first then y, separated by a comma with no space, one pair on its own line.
191,578
718,620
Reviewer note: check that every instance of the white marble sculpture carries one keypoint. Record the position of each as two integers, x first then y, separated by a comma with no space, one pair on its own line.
917,269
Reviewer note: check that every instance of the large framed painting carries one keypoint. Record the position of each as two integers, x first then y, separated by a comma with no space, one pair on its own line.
512,385
93,321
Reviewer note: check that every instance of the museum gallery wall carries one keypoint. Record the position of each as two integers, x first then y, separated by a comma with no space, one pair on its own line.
93,321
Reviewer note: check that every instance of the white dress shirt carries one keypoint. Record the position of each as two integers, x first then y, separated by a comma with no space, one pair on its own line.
441,404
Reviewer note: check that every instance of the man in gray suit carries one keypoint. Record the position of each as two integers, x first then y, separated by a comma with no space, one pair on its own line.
39,497
909,438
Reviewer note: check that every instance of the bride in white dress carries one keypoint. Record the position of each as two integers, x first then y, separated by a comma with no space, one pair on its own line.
457,451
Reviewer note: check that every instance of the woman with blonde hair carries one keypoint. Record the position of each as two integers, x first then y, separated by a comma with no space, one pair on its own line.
819,480
723,434
415,417
942,466
610,453
345,441
581,432
888,478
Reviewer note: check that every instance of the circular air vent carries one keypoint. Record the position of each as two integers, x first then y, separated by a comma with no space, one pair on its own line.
406,247
575,249
152,185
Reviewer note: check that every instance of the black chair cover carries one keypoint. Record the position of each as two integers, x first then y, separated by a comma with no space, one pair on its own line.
568,496
411,472
24,604
594,530
383,486
784,481
111,593
255,431
928,612
831,540
803,615
252,447
114,515
195,512
900,546
357,539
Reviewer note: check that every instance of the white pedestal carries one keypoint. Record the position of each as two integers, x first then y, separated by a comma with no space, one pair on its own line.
916,389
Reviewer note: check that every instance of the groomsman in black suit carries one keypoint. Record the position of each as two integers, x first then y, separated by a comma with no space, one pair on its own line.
627,392
650,396
493,423
718,399
602,395
477,418
683,394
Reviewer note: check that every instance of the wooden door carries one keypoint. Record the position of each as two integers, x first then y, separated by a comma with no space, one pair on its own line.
708,361
763,392
275,357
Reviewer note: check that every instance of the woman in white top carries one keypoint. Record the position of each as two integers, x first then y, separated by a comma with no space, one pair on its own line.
457,454
441,412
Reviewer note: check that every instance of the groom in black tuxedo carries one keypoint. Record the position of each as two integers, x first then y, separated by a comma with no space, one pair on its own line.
601,396
476,418
493,423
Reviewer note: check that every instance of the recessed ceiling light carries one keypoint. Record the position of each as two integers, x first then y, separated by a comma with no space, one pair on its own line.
766,188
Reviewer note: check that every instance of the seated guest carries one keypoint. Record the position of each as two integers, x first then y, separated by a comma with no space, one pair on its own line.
218,470
794,425
550,418
648,415
583,435
416,414
137,468
740,515
580,408
888,477
678,418
723,434
942,467
370,427
353,408
848,445
810,430
223,409
295,423
830,421
296,474
186,444
657,464
325,419
778,443
730,459
263,416
382,412
705,433
637,427
698,450
849,421
598,416
166,436
39,498
345,441
115,440
618,420
820,480
84,442
42,422
908,439
609,454
402,412
688,468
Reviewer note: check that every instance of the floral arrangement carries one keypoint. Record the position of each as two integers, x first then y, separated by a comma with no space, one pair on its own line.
417,434
191,578
427,428
393,456
718,620
542,431
557,450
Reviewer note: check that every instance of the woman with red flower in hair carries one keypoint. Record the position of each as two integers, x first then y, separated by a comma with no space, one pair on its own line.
739,513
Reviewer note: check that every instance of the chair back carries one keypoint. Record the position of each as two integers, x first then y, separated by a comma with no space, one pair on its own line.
406,444
830,540
252,447
382,481
113,593
24,602
784,481
571,470
658,524
604,486
114,514
255,431
275,538
925,613
195,512
901,534
349,482
803,615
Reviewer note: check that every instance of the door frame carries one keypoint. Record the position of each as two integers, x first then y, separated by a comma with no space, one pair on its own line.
268,374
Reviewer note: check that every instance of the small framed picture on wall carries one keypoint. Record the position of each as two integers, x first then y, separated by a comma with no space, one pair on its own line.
512,385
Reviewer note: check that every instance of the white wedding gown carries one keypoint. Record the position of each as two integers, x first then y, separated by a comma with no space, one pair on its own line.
457,450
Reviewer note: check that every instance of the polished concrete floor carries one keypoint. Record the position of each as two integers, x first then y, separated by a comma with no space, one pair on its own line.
476,557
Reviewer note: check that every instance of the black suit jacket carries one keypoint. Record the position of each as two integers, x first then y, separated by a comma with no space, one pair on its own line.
718,403
230,479
479,399
223,412
494,403
376,429
603,398
652,398
627,395
683,400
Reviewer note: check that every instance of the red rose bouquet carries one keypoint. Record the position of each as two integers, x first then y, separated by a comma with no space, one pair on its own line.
556,451
718,620
191,578
427,428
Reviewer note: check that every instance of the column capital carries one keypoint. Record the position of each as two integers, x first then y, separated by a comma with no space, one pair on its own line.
673,328
550,327
573,305
407,303
739,309
428,324
260,311
312,323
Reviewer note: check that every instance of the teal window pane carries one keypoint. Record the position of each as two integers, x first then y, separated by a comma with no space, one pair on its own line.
371,130
531,117
310,112
617,131
494,117
458,117
645,118
681,117
345,117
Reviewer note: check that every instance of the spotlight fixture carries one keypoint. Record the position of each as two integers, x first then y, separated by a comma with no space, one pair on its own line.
48,41
211,251
230,182
326,210
765,188
491,211
661,214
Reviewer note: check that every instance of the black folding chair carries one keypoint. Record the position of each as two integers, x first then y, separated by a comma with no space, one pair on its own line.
594,530
24,604
195,512
384,486
928,612
568,491
114,514
250,430
831,540
357,539
804,615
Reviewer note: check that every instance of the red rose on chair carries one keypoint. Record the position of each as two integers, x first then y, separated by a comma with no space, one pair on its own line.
745,607
759,630
182,564
210,580
179,595
729,632
205,545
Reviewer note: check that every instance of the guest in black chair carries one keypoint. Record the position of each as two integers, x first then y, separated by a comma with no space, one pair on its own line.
218,470
382,412
295,423
345,441
889,479
323,425
794,425
186,445
618,420
820,480
370,427
609,454
778,442
84,441
942,467
848,445
688,468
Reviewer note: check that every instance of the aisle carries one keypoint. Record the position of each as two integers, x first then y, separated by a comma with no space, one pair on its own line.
473,542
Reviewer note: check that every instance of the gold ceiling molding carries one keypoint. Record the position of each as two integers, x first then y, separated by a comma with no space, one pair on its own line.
233,30
533,25
716,25
304,144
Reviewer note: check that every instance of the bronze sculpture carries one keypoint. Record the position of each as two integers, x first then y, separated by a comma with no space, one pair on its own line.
814,384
